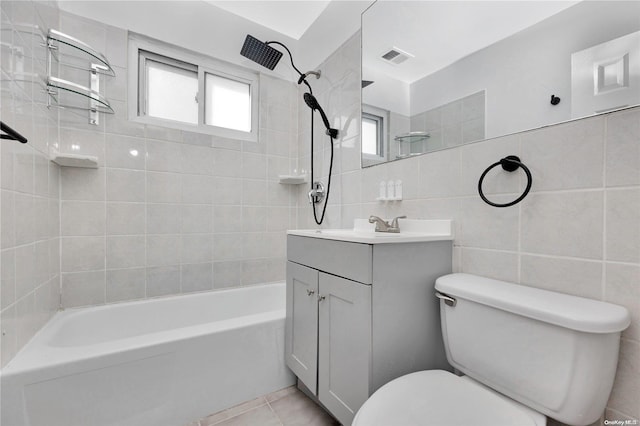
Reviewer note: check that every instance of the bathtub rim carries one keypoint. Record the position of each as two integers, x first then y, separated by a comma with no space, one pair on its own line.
38,355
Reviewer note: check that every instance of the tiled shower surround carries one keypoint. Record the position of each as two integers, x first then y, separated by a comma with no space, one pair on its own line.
188,212
166,212
29,182
193,212
577,232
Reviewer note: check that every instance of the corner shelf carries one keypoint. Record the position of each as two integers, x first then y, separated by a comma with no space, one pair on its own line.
71,52
412,137
101,104
75,160
64,46
407,140
292,179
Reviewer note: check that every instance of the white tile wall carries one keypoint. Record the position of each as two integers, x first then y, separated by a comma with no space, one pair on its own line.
166,212
29,194
577,232
170,211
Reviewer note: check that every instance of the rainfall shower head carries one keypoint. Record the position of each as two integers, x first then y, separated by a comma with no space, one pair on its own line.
260,53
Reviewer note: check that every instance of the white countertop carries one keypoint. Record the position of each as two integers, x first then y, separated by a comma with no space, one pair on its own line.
411,231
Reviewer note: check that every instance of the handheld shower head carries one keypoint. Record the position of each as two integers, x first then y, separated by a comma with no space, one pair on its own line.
260,53
312,103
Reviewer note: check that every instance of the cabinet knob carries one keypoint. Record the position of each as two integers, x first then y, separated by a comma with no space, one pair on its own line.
310,292
320,298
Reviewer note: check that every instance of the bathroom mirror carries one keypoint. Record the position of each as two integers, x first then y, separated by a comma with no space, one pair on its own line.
438,74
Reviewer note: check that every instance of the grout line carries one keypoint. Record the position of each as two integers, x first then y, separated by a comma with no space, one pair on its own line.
274,413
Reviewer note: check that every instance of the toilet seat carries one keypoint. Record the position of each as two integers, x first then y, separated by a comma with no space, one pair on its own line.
439,398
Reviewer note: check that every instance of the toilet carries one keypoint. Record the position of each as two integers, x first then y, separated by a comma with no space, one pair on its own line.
525,353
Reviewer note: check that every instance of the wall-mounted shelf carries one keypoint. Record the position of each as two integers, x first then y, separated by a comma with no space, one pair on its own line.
412,137
56,86
412,154
293,179
407,143
70,51
73,160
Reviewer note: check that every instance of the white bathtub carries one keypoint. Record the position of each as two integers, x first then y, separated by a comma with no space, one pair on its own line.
161,362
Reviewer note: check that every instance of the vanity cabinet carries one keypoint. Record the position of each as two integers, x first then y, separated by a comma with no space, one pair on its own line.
360,315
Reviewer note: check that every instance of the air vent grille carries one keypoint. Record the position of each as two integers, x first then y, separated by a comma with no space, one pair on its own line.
395,56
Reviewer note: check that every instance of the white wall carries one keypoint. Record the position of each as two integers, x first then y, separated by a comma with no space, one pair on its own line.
337,23
386,92
190,212
576,232
522,72
29,183
195,25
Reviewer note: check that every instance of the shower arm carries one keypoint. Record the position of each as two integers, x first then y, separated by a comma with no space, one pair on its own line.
302,76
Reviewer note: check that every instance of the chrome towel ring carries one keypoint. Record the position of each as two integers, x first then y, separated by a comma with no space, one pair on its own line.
509,163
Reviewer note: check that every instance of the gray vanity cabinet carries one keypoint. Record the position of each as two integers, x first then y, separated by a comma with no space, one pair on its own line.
360,315
301,343
328,337
344,342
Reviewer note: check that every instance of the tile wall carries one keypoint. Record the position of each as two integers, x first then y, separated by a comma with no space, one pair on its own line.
455,123
30,200
577,232
171,211
166,211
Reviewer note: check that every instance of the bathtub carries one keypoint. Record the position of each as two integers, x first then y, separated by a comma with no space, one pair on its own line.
161,362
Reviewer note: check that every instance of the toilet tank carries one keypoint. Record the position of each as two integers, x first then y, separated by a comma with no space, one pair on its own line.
553,352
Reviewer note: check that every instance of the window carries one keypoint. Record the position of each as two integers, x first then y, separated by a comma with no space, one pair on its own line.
228,103
169,88
373,139
180,89
371,134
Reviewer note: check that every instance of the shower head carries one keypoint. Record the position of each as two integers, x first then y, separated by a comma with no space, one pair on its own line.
312,103
260,53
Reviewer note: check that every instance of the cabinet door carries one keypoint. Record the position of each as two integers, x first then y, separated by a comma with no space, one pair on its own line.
301,325
344,345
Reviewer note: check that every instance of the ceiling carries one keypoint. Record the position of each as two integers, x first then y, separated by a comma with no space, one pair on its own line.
291,18
438,33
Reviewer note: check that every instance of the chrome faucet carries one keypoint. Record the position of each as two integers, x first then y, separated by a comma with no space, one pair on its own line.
384,226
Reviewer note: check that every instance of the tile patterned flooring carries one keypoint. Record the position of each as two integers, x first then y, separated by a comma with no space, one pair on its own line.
286,407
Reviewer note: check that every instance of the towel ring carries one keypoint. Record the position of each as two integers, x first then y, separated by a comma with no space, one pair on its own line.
510,163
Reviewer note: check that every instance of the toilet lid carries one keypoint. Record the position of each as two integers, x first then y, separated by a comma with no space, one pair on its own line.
437,397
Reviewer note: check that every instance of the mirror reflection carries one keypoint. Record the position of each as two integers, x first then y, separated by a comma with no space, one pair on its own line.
437,74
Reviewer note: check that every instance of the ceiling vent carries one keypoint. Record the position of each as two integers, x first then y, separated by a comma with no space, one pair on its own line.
395,56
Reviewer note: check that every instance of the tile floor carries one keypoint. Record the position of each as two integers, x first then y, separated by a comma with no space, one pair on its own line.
286,407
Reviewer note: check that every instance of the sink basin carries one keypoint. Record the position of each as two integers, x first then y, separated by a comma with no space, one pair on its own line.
411,230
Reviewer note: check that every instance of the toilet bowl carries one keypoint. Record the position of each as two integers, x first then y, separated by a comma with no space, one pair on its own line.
438,397
526,354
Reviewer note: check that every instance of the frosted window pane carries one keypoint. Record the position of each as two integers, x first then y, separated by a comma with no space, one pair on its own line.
228,103
369,136
171,92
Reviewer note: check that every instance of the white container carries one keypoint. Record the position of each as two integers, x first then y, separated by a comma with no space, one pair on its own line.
391,190
398,190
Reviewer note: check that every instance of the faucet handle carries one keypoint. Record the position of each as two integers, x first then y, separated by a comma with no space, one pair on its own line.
394,222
